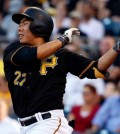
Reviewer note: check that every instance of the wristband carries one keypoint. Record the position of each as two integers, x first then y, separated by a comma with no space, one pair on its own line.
64,39
116,47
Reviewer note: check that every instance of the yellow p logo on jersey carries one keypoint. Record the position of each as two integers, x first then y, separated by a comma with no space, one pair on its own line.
45,64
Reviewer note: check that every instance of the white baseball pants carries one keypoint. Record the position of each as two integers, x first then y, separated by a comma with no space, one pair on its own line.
57,124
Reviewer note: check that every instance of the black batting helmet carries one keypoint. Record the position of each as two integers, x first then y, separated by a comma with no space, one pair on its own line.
42,23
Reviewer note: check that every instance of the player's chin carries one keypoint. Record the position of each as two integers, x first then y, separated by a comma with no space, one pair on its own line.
22,41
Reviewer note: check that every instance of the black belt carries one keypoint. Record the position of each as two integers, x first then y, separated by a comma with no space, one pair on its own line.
33,119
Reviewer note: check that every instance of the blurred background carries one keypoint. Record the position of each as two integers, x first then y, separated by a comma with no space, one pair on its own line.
94,104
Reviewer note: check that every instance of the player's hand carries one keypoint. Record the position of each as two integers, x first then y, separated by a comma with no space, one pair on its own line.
116,47
70,32
67,37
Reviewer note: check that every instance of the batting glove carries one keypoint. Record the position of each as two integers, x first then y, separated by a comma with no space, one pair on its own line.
116,47
66,38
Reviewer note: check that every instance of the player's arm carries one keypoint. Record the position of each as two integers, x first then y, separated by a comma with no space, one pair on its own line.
98,69
82,66
107,59
47,49
25,55
18,54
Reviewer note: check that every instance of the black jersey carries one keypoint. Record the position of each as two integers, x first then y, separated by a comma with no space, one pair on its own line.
38,85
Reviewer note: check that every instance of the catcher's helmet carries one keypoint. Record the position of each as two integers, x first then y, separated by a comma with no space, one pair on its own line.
42,23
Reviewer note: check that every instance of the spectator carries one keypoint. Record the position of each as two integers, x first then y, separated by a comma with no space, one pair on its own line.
114,7
73,91
4,92
112,26
76,18
79,6
109,14
53,3
105,44
114,73
91,26
77,46
61,20
7,124
108,116
110,90
118,85
7,24
2,32
85,113
37,3
71,4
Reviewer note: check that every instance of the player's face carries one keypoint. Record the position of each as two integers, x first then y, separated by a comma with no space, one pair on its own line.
24,33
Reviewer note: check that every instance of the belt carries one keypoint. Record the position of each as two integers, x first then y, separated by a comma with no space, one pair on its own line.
33,119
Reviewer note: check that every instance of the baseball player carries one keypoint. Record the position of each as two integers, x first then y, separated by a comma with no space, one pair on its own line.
36,72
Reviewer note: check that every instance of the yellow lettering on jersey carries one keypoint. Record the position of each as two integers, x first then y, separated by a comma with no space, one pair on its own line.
23,80
45,64
18,76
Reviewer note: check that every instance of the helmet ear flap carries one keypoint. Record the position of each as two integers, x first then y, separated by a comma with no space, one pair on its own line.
36,29
39,29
